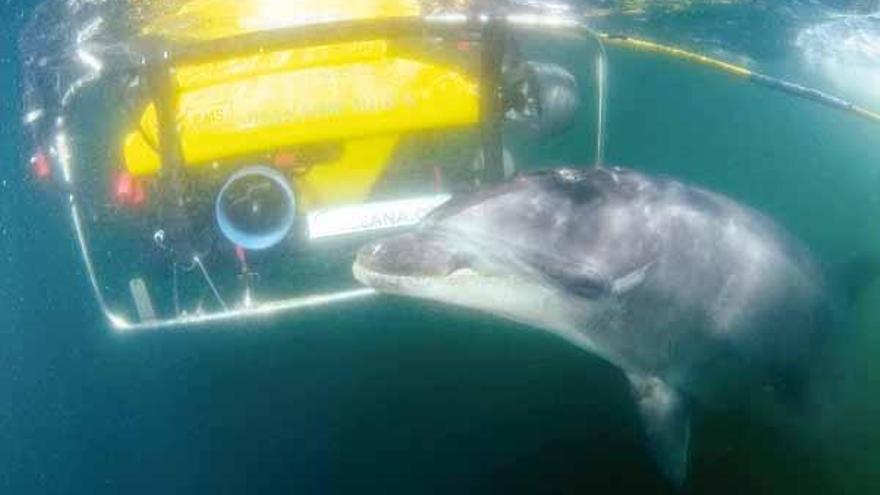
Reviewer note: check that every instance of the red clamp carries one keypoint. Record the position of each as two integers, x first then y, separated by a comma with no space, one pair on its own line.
41,167
128,190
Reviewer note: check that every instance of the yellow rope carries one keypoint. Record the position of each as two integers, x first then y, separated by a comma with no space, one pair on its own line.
736,70
864,112
677,53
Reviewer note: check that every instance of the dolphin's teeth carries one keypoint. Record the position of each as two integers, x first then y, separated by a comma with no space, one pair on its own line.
463,272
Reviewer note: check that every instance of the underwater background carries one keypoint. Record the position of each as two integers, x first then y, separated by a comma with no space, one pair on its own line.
399,396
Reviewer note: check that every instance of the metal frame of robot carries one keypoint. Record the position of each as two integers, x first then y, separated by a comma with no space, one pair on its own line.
158,62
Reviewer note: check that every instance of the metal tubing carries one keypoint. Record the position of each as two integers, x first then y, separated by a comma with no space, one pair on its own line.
491,104
198,262
601,97
257,311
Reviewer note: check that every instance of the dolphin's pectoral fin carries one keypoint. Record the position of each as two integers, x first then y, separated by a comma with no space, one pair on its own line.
667,424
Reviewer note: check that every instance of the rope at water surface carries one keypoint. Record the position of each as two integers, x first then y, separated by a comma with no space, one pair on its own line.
764,80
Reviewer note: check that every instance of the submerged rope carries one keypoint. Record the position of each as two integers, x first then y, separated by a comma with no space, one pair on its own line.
781,85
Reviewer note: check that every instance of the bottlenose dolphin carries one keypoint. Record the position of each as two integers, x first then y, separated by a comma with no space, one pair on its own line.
693,295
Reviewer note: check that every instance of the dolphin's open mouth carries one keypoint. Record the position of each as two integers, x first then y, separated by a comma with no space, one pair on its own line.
408,260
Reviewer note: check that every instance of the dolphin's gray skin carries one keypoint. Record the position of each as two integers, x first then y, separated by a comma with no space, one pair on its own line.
692,295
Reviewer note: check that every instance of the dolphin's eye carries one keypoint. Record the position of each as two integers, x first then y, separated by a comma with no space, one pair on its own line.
586,287
589,286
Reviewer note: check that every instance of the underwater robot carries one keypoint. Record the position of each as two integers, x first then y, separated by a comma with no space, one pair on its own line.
215,154
223,159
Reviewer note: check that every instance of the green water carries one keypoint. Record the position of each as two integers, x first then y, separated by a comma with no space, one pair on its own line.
399,396
815,171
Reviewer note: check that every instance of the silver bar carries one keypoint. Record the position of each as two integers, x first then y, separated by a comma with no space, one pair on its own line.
142,301
198,261
371,217
601,97
114,319
258,311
